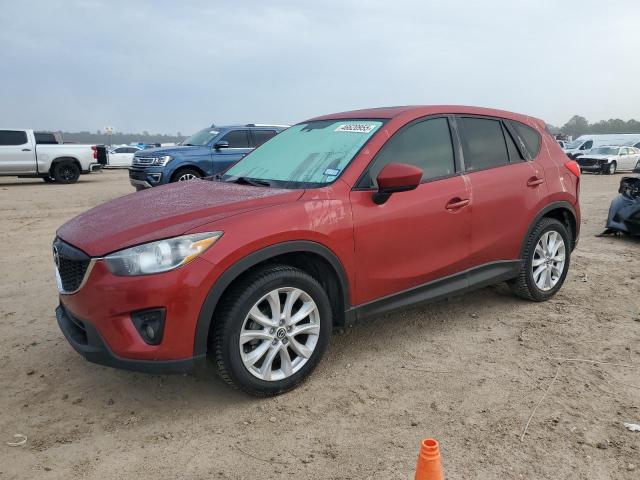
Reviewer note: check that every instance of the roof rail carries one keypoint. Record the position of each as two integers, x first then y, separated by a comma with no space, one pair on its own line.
265,125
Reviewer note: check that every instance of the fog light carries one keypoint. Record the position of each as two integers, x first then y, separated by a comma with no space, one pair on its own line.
150,324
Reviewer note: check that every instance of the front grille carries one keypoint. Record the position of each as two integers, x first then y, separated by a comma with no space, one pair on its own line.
587,162
72,265
143,161
72,273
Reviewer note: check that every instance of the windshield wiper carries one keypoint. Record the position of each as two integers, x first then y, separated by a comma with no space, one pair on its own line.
250,181
189,144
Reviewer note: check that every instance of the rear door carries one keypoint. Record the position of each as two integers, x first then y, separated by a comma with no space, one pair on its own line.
261,136
17,153
627,159
416,236
505,186
239,145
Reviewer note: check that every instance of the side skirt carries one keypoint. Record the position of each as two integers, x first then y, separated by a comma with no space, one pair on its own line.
471,279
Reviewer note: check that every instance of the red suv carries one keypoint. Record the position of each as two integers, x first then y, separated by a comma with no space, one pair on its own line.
334,219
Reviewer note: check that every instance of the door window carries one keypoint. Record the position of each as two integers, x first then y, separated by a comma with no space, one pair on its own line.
426,145
237,139
483,143
261,136
13,137
587,145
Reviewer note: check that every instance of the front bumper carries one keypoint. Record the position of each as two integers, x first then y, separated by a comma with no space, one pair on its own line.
142,178
600,166
624,215
104,306
87,341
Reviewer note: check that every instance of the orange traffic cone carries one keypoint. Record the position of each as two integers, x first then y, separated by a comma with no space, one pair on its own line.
429,466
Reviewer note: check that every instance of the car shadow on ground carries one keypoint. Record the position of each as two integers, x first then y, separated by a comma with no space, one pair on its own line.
201,391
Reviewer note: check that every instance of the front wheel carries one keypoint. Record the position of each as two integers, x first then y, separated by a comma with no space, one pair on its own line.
186,174
271,330
545,261
611,168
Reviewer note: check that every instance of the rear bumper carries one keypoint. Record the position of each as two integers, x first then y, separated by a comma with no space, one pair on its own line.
88,342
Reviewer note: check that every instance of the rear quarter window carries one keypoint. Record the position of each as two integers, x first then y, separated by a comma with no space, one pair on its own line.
530,137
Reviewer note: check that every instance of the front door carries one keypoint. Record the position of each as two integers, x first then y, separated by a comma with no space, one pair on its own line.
17,155
239,146
418,236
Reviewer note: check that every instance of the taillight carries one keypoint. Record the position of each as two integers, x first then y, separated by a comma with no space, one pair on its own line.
573,167
95,151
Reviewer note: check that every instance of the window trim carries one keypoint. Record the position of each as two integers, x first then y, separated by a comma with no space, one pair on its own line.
505,132
454,142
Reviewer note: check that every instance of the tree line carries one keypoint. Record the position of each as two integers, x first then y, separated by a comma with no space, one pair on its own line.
120,138
579,125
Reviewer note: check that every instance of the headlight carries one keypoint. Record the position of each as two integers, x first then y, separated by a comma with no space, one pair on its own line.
162,161
160,256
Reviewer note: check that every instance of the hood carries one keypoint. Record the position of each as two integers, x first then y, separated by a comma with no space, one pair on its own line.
595,157
163,212
162,151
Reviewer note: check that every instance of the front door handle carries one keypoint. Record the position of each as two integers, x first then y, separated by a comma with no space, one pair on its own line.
26,149
456,203
534,181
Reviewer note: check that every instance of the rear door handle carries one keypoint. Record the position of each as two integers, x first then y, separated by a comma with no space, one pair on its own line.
26,149
456,203
534,181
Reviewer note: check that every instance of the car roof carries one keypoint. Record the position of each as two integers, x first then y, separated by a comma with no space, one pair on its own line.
416,111
249,126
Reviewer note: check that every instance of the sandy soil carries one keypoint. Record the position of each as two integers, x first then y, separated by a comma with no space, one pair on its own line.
468,371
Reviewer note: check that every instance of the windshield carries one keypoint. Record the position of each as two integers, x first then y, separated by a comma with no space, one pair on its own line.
573,145
306,155
604,151
201,138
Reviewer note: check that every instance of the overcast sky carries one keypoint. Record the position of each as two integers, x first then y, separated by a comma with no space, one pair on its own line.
169,66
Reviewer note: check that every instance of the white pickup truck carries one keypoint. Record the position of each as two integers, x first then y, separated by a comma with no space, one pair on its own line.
23,154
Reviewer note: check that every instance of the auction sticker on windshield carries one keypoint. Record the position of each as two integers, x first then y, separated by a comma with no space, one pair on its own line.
356,127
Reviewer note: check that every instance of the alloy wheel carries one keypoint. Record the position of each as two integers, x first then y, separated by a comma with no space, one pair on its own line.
548,260
279,334
186,176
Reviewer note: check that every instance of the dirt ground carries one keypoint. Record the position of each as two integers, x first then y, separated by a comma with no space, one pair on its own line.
468,371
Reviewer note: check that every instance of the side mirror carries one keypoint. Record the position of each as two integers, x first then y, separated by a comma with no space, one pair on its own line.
220,145
394,178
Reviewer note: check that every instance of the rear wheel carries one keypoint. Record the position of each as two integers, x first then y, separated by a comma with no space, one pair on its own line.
546,261
186,174
66,171
271,330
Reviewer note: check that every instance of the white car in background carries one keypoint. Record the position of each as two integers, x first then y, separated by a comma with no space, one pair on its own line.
121,156
609,159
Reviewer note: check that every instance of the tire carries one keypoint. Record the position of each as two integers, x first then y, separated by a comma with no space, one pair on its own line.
186,174
66,171
48,179
525,285
612,168
254,293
